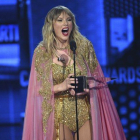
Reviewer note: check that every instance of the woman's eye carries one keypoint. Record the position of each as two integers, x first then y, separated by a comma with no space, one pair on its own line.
59,20
69,19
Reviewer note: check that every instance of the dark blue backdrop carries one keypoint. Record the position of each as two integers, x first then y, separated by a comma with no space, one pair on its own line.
112,27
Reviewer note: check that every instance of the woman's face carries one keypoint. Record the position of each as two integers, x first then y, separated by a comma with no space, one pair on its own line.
63,27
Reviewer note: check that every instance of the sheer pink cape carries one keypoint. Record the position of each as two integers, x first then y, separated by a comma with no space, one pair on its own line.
105,120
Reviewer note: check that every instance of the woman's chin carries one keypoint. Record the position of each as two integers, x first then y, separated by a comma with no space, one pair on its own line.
63,39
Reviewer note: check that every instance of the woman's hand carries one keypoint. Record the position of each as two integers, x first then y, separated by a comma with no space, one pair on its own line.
86,91
72,92
66,84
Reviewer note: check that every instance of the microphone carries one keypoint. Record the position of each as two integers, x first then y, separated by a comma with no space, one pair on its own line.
73,45
63,58
73,48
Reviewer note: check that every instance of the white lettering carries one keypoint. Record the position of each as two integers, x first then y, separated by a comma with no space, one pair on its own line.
24,82
9,33
131,75
114,75
138,74
122,75
128,75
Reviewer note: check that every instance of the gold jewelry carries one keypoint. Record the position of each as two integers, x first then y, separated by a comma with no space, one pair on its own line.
62,48
66,61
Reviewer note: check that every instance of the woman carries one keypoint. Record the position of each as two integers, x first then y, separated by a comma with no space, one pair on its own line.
50,109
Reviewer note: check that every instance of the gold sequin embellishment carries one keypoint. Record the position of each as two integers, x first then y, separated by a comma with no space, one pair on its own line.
65,103
43,66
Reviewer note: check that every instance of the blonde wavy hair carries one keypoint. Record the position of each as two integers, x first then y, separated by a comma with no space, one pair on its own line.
49,38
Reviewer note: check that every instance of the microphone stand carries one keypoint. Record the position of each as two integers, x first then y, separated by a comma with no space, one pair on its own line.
75,96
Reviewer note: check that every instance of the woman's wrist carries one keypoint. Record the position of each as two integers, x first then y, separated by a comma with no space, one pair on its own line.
58,88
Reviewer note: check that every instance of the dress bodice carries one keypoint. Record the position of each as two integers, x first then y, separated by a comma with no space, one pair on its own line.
65,103
60,73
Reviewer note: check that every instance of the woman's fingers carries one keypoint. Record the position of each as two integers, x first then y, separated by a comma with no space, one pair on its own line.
91,84
70,75
72,87
82,93
72,92
69,82
73,81
86,90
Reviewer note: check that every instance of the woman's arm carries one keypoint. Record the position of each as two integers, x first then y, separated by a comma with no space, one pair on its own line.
65,85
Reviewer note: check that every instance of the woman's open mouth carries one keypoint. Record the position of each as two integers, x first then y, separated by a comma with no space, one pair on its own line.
65,31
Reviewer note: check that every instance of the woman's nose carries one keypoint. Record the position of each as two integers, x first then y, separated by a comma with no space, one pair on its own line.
65,22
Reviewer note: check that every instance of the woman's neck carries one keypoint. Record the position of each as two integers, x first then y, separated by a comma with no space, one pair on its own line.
62,45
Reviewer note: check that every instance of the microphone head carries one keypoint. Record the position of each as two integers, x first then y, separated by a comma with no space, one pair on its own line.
63,58
72,45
